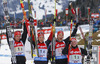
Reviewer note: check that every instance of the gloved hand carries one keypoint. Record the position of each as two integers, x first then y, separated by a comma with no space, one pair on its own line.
71,17
54,20
77,24
53,28
30,19
29,39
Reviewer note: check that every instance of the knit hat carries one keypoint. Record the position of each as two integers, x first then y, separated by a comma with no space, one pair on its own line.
40,34
73,38
17,33
60,32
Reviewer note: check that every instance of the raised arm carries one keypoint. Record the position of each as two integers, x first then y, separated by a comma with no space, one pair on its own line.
50,37
24,35
72,35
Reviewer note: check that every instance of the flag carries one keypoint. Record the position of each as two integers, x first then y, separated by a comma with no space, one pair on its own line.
73,11
88,10
77,11
66,11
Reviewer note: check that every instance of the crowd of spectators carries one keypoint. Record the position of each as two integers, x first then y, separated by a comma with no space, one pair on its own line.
16,24
59,22
47,23
96,25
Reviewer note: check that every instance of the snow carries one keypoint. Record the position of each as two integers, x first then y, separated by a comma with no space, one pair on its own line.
98,35
40,6
5,53
98,40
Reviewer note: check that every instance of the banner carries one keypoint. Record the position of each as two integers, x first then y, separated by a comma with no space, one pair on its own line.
66,11
45,31
95,15
3,36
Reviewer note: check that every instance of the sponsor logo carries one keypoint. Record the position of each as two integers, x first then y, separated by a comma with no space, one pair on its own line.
75,52
60,45
19,44
41,46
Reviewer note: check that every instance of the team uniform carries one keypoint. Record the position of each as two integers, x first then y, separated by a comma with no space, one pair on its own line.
60,58
76,54
43,51
19,46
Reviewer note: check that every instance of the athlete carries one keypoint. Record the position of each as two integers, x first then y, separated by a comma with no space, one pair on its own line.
19,43
60,45
42,48
75,53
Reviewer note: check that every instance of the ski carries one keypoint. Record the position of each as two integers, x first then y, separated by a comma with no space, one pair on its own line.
85,41
89,46
70,38
53,40
25,17
9,32
77,14
71,25
33,28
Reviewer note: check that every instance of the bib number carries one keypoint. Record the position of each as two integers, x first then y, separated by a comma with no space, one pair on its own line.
59,51
75,58
19,49
42,52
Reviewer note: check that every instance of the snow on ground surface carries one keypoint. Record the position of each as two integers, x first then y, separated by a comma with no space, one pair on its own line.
98,40
5,53
98,35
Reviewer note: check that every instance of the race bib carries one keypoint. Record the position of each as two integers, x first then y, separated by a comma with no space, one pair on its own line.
59,51
75,58
19,49
42,53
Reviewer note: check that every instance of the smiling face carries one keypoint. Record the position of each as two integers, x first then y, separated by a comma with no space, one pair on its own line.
17,35
74,43
60,37
17,38
41,39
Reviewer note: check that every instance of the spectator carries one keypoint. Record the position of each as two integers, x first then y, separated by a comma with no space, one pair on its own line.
64,22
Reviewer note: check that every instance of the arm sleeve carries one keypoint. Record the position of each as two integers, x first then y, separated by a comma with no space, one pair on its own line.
65,50
72,35
49,39
67,40
83,51
24,35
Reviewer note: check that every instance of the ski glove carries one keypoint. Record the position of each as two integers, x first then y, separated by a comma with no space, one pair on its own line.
29,39
54,20
77,24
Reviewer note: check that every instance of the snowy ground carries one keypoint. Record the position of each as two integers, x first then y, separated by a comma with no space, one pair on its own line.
5,54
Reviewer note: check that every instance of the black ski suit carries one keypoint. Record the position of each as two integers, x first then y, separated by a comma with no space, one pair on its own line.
20,58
